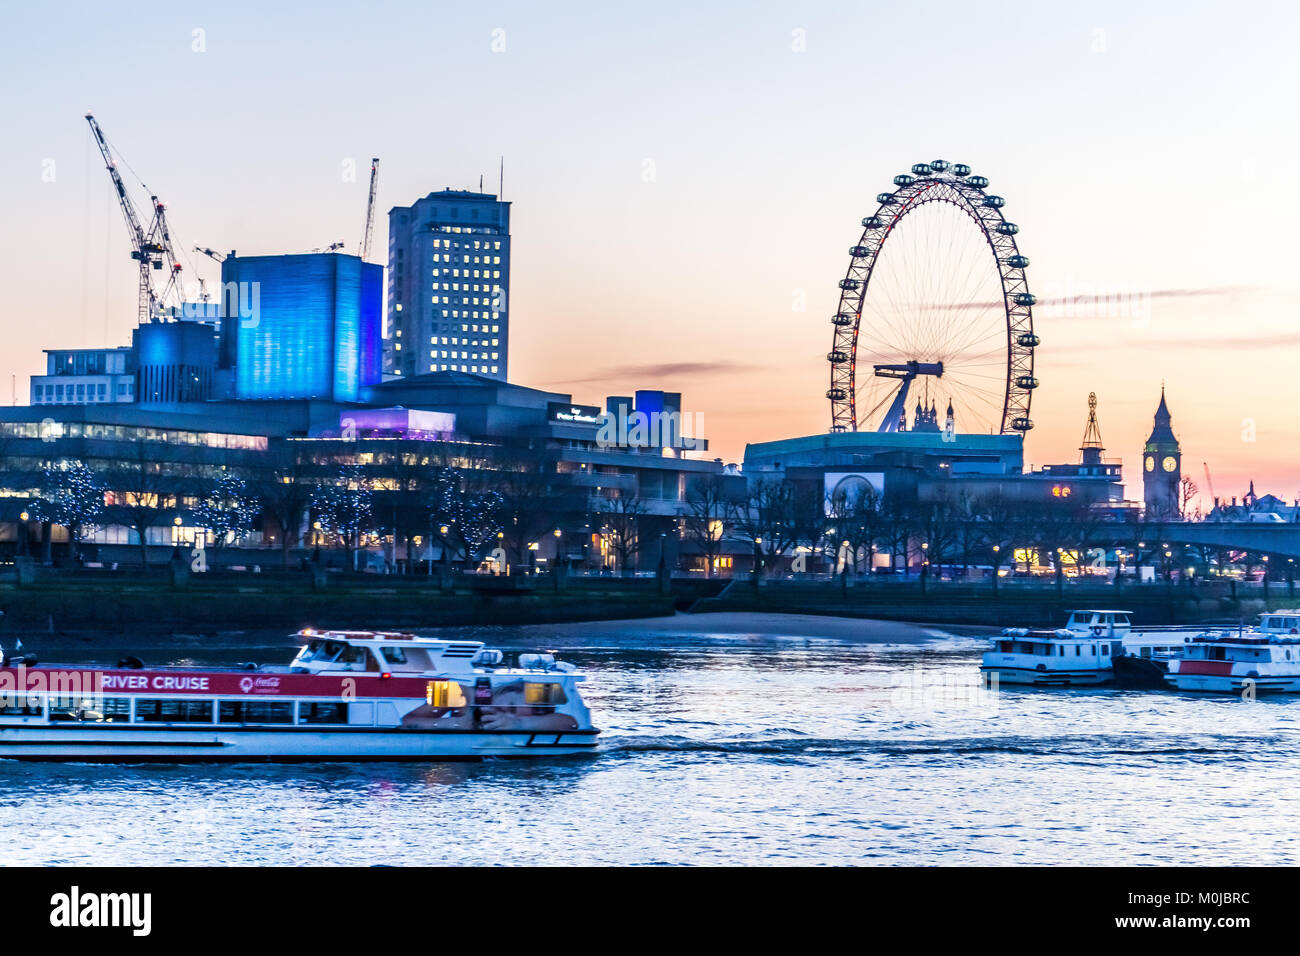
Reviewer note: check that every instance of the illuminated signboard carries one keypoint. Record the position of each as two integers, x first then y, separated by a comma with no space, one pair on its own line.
572,414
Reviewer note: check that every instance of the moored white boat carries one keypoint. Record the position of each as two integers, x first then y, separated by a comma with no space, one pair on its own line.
1083,652
1263,659
348,695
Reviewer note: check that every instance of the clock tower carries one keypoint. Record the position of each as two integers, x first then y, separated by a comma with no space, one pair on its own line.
1162,466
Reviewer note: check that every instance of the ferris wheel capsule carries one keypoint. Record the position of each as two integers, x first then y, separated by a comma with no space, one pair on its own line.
836,394
1024,298
842,318
857,252
1027,382
940,165
886,199
836,358
1029,340
1008,228
872,222
960,169
1018,262
995,202
849,285
902,179
1021,424
979,182
922,169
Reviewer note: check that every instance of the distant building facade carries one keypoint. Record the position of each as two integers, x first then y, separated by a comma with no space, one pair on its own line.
85,377
449,286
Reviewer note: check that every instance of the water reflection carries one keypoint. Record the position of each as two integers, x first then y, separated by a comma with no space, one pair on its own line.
760,742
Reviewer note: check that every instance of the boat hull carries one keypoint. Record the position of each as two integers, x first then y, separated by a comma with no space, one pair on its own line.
1229,684
129,744
1007,674
1140,673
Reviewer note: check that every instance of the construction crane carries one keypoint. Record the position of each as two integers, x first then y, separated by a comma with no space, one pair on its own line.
213,254
370,210
152,248
1209,482
332,247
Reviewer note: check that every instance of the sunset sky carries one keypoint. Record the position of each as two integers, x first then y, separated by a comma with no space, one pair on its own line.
683,179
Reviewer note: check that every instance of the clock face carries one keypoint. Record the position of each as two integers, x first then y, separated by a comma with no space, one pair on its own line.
1169,464
1151,464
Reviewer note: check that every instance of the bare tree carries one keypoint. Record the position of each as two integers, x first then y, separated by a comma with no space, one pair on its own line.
284,493
141,495
765,517
705,524
1000,523
1187,492
620,520
856,518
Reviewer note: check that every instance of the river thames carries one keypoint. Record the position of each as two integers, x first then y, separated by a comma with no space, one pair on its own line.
728,739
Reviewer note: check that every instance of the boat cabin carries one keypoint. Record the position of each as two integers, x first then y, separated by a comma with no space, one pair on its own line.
1099,623
1079,649
393,652
1243,647
1280,623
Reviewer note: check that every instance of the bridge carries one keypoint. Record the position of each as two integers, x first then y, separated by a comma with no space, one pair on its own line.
1281,538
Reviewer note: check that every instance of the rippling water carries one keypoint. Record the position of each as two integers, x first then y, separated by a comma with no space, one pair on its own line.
734,739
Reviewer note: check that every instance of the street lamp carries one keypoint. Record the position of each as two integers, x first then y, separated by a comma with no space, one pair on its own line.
22,533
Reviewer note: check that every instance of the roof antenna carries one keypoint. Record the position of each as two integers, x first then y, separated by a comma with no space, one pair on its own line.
480,182
501,188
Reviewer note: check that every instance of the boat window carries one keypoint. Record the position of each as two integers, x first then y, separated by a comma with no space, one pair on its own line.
550,693
89,708
394,655
20,705
1214,653
1105,650
1144,652
1078,650
257,711
173,711
1061,651
444,693
1121,620
322,713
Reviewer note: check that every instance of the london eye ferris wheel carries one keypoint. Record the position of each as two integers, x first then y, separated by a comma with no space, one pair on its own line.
935,314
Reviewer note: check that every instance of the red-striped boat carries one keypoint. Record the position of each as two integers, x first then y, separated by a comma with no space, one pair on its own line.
347,695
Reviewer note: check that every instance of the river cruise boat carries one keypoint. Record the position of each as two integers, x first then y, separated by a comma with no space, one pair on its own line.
1263,659
347,695
1084,652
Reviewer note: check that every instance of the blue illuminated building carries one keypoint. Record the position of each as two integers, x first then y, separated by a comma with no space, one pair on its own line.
305,326
175,361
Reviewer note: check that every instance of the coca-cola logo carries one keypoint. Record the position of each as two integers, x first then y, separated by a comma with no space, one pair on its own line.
259,685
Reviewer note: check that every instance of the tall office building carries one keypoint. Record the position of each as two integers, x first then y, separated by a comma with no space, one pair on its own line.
448,285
